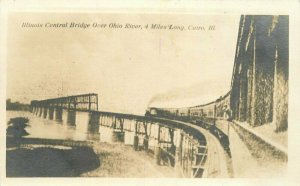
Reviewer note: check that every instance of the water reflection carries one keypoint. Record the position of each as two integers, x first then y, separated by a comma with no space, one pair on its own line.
83,131
52,129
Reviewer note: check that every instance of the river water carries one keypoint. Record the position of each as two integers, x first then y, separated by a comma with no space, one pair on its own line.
52,129
40,127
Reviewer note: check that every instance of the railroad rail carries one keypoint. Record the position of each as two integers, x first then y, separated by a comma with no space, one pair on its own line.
174,143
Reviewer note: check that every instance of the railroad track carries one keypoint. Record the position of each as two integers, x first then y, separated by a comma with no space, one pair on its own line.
216,164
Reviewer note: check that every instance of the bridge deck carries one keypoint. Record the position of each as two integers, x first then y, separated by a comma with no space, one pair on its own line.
216,166
88,102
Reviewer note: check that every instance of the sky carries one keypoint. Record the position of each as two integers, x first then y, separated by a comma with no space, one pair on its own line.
129,69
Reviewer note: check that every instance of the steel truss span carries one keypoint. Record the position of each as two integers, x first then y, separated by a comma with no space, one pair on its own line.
83,102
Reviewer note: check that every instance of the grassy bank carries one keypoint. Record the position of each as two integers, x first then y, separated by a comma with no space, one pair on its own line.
50,162
33,157
118,160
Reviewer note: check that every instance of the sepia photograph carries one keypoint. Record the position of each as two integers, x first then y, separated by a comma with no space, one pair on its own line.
147,95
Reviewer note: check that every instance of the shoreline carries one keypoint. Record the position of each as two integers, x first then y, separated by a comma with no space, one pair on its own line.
36,157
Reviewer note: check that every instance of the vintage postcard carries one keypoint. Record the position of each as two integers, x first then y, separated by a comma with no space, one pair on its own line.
165,95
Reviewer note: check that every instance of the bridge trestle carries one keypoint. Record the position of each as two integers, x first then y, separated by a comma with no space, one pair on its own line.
170,145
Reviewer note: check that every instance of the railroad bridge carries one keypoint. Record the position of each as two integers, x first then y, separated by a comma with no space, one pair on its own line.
53,108
258,96
190,150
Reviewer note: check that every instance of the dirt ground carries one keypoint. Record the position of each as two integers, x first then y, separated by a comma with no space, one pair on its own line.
49,161
32,158
118,160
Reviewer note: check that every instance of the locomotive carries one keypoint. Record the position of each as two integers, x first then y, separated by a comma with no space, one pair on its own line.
204,116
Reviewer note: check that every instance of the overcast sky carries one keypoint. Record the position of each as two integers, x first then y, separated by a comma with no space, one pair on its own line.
127,68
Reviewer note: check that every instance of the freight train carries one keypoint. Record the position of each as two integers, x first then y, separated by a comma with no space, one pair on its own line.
204,116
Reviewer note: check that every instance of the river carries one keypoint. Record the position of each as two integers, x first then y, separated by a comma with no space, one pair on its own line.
52,129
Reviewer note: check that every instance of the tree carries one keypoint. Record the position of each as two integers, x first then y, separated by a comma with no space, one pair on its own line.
16,127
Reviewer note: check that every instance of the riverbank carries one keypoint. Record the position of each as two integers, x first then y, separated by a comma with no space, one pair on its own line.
33,157
119,160
50,162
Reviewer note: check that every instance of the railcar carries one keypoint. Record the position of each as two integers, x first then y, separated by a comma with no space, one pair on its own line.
204,116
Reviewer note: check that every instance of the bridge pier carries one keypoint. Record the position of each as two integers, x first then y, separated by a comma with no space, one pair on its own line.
71,117
93,123
58,113
136,142
40,111
173,152
51,113
157,154
157,148
146,143
136,137
118,136
147,129
93,126
45,110
32,109
178,151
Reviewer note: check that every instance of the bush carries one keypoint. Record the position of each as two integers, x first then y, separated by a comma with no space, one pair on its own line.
16,127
